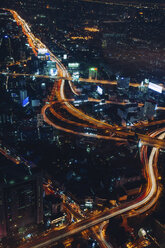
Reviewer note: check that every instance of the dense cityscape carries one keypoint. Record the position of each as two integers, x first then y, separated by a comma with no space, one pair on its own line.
82,124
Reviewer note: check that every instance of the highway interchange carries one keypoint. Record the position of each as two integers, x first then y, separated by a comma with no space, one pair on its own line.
99,130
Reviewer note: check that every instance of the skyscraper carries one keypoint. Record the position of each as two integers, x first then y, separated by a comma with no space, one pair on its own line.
21,195
123,82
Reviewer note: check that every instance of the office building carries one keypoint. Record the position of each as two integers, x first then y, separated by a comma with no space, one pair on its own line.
123,84
23,95
128,113
149,110
93,73
21,194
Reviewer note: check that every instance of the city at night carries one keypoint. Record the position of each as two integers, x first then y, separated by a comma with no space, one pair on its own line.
82,124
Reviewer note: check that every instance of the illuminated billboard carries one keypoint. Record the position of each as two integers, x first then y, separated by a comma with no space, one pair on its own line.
25,102
155,87
75,76
53,72
42,51
99,90
93,69
73,65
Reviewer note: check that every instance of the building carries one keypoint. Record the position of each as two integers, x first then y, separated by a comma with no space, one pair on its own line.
6,49
53,210
43,54
128,113
149,110
21,194
89,202
93,73
50,68
6,118
23,95
35,103
73,67
123,84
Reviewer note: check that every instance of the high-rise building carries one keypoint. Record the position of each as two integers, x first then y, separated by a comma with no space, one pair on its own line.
50,68
148,111
93,73
21,197
23,95
6,46
123,82
128,113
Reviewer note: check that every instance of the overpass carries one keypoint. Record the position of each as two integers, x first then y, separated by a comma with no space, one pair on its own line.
69,78
144,202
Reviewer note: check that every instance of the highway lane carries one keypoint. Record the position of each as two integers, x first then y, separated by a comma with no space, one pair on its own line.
149,196
69,78
77,112
102,234
96,235
44,109
144,138
5,153
128,4
122,135
145,161
16,158
92,231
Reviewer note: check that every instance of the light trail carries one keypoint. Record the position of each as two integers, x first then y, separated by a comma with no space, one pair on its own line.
150,197
102,235
69,78
127,4
144,201
77,133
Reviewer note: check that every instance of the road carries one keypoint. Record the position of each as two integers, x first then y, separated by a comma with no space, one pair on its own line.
36,44
12,154
128,4
143,203
69,78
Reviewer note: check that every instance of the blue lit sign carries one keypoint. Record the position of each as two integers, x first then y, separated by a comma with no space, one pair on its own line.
25,102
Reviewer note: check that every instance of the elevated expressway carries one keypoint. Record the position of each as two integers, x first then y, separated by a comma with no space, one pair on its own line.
69,78
140,205
102,130
150,192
